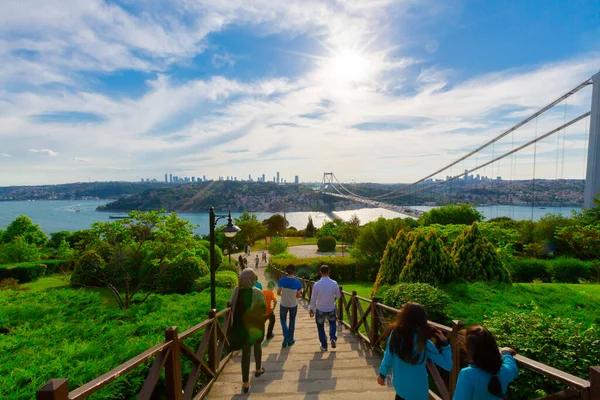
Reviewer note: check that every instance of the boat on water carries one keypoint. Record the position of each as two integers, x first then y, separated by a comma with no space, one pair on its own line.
117,217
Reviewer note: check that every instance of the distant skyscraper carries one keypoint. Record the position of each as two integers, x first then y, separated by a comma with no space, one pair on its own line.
203,178
296,179
166,178
249,177
193,179
142,179
278,177
263,177
171,178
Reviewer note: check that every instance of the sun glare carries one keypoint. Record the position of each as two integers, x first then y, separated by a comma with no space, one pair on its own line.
347,66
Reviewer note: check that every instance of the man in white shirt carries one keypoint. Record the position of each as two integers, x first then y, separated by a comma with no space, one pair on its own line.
322,307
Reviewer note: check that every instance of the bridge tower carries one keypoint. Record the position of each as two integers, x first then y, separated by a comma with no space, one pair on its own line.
327,180
592,179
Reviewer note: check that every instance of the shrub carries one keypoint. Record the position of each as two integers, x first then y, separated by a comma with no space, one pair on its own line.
558,342
326,243
433,299
18,250
64,251
584,241
451,214
9,284
23,272
393,261
341,268
277,246
54,266
223,279
227,266
568,270
476,257
88,269
283,256
428,261
179,276
529,270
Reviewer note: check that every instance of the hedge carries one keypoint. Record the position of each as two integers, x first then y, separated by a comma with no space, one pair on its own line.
326,244
23,272
341,268
433,299
558,270
223,279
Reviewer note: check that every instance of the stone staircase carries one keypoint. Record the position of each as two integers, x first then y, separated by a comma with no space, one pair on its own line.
303,371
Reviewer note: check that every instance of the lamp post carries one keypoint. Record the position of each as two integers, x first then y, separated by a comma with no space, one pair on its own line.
230,231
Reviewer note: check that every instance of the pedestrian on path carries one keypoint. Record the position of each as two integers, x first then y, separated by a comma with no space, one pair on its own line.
490,370
271,301
407,351
289,290
257,261
322,306
248,249
248,327
241,262
264,256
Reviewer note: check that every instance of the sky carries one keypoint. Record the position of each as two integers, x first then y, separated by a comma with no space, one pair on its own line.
373,90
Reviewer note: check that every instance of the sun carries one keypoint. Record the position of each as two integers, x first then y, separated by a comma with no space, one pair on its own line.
347,66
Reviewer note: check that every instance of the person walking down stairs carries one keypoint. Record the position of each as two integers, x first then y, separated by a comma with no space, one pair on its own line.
322,307
290,291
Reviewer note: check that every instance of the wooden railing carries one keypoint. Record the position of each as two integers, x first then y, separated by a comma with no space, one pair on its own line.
208,360
369,319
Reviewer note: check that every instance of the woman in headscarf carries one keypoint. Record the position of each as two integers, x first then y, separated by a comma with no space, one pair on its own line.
248,328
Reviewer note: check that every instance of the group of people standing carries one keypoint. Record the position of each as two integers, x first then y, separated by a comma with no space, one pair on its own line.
409,339
243,261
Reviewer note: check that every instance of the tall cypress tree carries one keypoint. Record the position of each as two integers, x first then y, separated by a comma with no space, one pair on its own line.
476,257
393,260
428,260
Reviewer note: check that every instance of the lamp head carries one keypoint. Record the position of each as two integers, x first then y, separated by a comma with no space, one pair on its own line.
230,230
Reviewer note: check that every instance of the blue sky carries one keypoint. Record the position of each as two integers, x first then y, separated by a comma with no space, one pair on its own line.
377,90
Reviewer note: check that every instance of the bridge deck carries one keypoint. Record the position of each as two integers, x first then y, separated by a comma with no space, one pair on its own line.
303,371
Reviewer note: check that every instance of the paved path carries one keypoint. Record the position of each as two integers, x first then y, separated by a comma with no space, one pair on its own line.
310,250
302,371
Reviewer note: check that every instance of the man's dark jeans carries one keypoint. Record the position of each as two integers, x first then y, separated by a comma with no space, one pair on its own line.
288,332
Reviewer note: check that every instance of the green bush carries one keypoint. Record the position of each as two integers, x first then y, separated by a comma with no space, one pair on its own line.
223,279
393,260
583,241
529,270
451,214
23,227
476,257
23,272
179,276
326,243
568,270
283,256
18,250
558,342
64,251
433,299
428,261
341,268
88,269
277,246
227,266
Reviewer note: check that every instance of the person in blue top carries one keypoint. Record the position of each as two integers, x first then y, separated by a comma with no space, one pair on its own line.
490,370
289,290
407,351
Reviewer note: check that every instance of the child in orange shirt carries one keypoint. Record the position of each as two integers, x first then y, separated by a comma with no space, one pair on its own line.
271,301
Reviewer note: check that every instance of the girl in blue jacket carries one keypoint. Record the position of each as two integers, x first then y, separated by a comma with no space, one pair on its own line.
407,351
490,369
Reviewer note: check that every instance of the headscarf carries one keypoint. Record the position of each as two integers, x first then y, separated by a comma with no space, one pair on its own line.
247,278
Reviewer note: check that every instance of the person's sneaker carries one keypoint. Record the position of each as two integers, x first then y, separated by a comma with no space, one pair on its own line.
270,337
291,342
285,343
323,348
333,344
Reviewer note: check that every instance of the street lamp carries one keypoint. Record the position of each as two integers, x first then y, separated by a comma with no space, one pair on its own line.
230,231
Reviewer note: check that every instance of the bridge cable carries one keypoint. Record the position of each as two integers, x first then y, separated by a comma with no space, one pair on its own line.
533,198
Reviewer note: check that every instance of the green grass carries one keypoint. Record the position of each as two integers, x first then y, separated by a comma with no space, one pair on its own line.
54,331
292,241
472,302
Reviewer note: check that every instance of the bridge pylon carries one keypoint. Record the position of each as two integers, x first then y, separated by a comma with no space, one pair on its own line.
328,180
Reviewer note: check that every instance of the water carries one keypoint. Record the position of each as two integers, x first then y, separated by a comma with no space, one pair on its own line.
58,215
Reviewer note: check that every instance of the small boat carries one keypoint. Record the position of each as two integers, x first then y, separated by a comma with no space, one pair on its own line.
542,208
117,217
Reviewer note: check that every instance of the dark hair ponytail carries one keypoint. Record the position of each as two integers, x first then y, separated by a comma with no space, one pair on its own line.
483,352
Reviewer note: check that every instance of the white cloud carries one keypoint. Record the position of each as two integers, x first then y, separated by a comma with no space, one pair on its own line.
5,155
432,46
223,60
45,152
82,159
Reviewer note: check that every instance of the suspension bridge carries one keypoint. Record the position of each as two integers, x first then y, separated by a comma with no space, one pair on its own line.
510,146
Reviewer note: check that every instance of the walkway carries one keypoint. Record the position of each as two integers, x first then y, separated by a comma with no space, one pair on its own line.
303,371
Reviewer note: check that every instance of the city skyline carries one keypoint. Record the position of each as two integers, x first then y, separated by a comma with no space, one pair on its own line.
377,91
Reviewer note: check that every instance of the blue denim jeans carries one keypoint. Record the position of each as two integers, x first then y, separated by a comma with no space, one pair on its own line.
320,318
288,332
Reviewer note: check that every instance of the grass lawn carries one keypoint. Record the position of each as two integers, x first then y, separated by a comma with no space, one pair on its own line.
471,302
292,241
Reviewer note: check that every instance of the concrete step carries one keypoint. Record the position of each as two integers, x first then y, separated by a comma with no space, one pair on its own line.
338,394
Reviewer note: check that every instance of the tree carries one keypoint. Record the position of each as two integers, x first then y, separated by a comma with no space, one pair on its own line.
24,227
476,257
393,260
310,227
64,251
250,231
57,237
145,253
584,241
19,250
451,214
276,225
428,261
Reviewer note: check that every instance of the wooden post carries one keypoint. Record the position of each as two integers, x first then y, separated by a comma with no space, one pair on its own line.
56,389
594,383
173,366
354,320
374,334
212,342
456,327
341,305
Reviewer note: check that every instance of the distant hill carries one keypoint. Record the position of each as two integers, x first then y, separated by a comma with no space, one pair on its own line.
238,196
77,191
